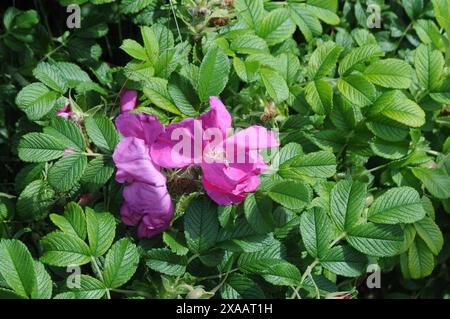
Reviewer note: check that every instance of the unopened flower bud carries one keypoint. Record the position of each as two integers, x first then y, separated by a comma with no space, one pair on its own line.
196,293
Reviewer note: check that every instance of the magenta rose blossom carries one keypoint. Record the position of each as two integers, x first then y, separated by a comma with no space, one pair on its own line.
230,165
147,203
128,100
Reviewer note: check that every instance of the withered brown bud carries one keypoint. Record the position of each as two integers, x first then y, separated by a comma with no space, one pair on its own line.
269,113
197,38
204,11
445,111
218,21
183,185
227,4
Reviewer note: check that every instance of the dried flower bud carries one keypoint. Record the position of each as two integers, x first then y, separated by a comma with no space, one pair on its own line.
227,4
183,185
218,21
204,11
369,200
196,293
269,113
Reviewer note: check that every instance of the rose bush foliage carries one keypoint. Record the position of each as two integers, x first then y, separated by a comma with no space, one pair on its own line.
360,181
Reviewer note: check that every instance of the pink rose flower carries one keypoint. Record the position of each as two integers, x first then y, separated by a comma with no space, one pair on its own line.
230,165
147,203
128,100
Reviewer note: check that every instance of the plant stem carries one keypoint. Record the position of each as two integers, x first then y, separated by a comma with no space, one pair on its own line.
93,154
338,239
132,292
99,273
305,274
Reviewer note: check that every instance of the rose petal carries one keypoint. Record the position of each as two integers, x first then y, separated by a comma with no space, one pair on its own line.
133,163
143,126
128,100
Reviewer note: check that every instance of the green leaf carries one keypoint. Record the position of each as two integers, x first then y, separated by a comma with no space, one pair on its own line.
281,273
201,225
308,24
97,173
28,174
180,91
73,222
376,239
347,200
101,229
276,27
388,129
251,11
50,76
258,212
44,285
323,60
36,100
242,238
357,90
90,288
102,132
66,172
319,95
35,200
166,262
430,234
72,74
17,267
275,85
397,205
344,261
315,227
176,242
213,74
156,90
320,164
395,106
420,260
61,249
246,70
325,10
390,73
67,133
429,65
134,49
428,32
151,43
39,147
253,262
238,286
357,56
436,181
292,195
121,263
441,12
134,6
249,44
389,149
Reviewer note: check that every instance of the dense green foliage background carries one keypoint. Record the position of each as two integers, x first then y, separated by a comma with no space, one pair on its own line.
363,112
